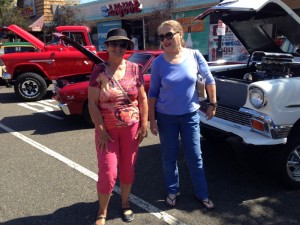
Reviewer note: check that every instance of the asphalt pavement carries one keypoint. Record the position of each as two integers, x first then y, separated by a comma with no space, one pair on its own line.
49,171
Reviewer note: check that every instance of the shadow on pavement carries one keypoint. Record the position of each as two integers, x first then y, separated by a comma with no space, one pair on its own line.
9,96
246,190
77,214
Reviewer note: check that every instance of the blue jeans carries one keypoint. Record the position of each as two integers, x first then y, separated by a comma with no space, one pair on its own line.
187,126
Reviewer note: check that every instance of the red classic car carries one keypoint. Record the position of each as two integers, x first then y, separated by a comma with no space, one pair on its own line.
71,93
32,72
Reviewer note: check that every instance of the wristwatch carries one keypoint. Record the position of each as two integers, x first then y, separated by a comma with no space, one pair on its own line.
214,104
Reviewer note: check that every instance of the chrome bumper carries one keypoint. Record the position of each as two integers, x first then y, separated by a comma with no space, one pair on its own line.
64,108
239,123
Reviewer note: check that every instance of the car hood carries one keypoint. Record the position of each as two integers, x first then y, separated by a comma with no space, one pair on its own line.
254,22
27,36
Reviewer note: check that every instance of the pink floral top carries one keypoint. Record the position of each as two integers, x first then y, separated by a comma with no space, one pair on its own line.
114,106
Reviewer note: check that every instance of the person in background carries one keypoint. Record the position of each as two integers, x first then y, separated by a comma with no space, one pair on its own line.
174,110
135,42
118,107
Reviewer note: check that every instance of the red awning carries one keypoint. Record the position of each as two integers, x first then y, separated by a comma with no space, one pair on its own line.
38,24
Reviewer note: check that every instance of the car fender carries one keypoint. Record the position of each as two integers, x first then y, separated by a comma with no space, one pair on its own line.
279,104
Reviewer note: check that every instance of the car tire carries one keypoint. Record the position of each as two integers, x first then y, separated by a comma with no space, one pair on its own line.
289,163
86,114
30,87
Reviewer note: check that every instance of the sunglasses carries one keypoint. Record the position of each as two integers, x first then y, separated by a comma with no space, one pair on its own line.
121,44
168,36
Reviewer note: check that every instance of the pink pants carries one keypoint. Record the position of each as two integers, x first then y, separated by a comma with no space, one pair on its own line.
121,156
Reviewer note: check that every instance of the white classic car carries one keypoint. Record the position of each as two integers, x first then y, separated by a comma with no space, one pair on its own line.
259,102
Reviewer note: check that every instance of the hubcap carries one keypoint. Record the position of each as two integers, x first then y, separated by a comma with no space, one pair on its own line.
293,164
30,88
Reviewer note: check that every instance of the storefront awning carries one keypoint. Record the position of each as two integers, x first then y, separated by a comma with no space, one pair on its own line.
38,24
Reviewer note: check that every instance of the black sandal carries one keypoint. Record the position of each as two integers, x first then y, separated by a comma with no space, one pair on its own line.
101,217
127,217
172,200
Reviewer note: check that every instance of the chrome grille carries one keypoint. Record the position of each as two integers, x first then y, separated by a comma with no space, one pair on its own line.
229,114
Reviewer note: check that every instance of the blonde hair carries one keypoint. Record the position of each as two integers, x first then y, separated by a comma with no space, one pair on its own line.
176,27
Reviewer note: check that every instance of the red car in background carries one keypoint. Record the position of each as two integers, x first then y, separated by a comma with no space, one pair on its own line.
71,93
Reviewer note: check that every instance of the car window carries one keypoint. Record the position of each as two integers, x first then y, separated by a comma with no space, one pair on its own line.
14,49
281,40
76,36
141,59
148,71
288,47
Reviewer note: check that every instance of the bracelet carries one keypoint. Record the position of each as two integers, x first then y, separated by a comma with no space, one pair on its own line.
214,104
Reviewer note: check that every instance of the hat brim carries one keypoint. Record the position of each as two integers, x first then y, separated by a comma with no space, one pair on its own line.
116,38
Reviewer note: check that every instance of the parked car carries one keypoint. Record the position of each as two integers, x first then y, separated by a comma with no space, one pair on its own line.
71,93
32,72
258,103
13,47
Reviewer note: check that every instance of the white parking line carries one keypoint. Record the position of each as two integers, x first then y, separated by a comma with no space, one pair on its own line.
133,198
45,110
48,102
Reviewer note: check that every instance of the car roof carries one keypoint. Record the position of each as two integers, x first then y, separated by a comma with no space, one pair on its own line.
20,43
26,36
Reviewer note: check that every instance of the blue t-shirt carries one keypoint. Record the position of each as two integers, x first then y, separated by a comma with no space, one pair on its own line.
173,85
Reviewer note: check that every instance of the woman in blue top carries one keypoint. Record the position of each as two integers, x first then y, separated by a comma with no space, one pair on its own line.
174,104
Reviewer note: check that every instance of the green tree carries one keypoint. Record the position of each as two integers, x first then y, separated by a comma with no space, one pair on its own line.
161,12
68,15
11,14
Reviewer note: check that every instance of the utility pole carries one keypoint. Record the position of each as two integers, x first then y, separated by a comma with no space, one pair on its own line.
220,32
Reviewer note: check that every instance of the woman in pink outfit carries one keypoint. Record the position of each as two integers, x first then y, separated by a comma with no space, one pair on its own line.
119,110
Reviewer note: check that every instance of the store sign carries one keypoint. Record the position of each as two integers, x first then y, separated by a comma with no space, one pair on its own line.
28,8
195,31
122,8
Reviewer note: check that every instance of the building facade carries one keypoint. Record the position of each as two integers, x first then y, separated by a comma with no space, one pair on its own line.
41,12
137,16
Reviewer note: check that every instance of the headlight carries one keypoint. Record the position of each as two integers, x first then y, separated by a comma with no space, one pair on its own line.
257,97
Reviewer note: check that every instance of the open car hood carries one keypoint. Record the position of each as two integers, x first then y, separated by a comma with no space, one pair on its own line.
255,23
27,36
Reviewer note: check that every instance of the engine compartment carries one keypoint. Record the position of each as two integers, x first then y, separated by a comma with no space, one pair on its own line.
260,66
232,80
268,66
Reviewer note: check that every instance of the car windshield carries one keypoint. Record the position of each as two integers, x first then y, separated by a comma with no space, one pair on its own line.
288,47
140,59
